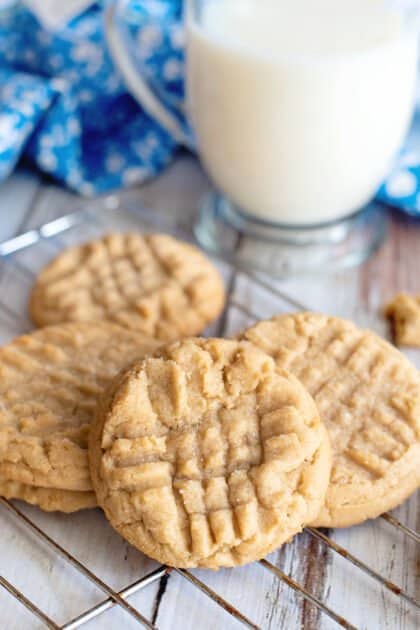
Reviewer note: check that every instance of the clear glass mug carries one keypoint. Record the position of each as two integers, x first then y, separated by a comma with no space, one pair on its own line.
298,108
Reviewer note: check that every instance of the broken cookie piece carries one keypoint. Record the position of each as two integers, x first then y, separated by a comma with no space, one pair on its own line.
404,314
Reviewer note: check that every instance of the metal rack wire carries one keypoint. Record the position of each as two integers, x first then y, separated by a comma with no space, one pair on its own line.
121,598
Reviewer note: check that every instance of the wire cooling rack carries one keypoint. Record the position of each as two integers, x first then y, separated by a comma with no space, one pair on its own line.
41,548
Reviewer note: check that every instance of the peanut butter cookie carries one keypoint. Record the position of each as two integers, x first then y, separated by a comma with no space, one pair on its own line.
368,395
404,313
50,381
154,284
208,455
48,499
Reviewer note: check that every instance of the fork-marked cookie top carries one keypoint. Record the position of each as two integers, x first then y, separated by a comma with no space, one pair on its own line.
151,283
207,455
368,395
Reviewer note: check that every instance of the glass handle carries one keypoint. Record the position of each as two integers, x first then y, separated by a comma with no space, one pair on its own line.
135,82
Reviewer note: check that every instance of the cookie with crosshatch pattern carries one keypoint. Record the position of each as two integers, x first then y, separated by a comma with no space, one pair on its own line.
368,395
152,283
50,381
208,455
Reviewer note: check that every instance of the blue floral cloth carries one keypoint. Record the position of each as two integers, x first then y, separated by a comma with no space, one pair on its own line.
64,107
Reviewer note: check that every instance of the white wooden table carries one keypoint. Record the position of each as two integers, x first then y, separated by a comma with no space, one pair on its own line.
26,201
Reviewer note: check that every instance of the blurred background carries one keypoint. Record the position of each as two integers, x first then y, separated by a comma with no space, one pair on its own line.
65,110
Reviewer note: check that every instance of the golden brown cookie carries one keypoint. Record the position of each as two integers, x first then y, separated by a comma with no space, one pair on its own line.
151,283
48,499
404,313
208,455
50,381
368,395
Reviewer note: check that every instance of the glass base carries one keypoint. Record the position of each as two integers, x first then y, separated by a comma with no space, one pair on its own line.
284,250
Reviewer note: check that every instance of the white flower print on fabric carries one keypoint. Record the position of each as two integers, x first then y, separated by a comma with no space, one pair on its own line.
401,184
73,126
9,130
149,38
74,178
114,162
178,37
134,175
48,160
172,69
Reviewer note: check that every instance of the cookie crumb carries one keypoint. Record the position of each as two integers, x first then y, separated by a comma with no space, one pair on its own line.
404,315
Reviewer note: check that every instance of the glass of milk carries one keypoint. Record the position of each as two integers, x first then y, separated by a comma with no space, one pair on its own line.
298,107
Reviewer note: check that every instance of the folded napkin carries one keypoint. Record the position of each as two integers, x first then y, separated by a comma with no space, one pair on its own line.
64,106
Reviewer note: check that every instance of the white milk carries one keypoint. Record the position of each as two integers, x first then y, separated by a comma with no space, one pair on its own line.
299,105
